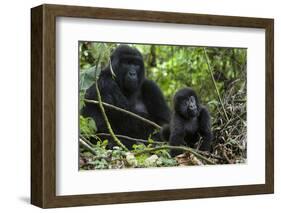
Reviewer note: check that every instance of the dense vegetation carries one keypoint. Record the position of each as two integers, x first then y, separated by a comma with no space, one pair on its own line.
218,75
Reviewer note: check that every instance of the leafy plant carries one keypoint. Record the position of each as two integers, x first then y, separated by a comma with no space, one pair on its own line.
87,127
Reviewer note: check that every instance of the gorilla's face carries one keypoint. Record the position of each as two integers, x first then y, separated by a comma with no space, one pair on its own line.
132,73
186,103
127,64
191,107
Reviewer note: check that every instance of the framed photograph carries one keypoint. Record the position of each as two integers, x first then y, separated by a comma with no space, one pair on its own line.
136,106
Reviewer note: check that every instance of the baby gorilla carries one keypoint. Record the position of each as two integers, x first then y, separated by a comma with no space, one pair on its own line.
190,120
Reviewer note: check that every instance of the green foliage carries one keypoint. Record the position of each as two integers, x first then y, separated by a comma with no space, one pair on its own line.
93,57
140,158
94,54
87,127
86,78
117,158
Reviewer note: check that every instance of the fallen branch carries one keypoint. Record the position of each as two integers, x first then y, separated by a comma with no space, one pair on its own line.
209,155
131,139
85,140
186,149
125,111
159,142
196,153
226,157
87,146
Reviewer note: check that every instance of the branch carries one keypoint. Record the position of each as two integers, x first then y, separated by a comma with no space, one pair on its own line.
87,146
158,142
111,69
214,81
131,139
226,157
125,111
85,140
117,141
209,155
186,149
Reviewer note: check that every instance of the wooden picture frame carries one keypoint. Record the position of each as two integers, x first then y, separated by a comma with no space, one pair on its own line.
43,105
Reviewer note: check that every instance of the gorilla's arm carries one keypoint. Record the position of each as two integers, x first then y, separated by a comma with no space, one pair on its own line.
165,132
177,134
109,90
205,129
111,94
155,103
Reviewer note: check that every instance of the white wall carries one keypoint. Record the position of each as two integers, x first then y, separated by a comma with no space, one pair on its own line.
15,106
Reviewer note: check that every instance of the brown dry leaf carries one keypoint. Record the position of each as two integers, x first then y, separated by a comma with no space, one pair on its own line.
188,159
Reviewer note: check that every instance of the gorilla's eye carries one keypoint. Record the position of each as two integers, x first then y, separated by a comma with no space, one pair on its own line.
127,62
124,61
192,99
134,63
131,63
137,66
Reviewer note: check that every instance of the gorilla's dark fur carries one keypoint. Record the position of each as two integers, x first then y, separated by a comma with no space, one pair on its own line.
131,91
190,120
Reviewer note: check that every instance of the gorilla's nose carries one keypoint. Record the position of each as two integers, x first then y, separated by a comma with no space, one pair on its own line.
192,107
132,74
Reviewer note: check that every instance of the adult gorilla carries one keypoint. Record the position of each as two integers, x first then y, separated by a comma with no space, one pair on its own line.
130,90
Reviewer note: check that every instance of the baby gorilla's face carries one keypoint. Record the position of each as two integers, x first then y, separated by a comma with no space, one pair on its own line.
189,107
186,103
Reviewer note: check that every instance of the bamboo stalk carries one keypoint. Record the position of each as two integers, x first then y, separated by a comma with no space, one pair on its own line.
215,84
